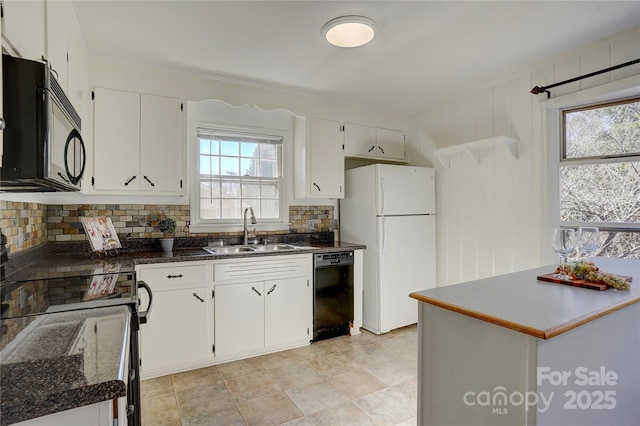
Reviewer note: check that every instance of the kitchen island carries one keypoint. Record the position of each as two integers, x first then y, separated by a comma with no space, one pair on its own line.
513,350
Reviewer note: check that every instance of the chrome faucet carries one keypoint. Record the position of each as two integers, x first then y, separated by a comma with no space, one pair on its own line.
253,222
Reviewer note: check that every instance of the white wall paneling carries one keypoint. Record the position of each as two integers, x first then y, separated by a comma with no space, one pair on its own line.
525,211
485,234
594,59
494,217
625,50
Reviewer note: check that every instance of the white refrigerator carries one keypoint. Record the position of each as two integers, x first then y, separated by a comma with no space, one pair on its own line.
391,209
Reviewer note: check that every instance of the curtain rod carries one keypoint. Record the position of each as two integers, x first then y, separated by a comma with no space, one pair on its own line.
545,89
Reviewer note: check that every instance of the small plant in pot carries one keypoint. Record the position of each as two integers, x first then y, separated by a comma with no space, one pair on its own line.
167,226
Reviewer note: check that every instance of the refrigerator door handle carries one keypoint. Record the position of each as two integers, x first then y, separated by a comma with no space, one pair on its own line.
384,234
381,196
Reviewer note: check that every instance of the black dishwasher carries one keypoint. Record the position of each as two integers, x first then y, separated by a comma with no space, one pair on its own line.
333,294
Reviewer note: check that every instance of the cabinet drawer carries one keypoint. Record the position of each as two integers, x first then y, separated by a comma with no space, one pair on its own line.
172,275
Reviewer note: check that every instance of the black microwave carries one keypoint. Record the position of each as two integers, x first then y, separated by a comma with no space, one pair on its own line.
43,148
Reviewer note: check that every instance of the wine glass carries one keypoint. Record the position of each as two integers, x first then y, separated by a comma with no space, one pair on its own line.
564,243
588,240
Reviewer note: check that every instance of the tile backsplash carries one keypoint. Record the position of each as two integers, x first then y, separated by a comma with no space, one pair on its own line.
24,224
129,220
31,224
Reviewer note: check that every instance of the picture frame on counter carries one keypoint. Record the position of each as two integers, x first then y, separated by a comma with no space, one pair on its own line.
101,233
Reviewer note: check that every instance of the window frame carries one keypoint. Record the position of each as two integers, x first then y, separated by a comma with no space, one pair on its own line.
199,225
550,154
595,160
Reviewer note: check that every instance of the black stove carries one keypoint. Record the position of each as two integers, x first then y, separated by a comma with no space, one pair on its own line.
105,286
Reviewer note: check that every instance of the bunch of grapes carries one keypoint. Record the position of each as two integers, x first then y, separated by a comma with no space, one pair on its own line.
589,272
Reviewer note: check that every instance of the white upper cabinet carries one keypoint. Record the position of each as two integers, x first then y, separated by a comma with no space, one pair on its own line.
77,89
136,142
390,144
326,159
66,52
373,142
160,143
116,140
359,140
48,31
59,20
23,28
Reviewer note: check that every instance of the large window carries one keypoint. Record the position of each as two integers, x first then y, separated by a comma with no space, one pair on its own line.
237,170
600,174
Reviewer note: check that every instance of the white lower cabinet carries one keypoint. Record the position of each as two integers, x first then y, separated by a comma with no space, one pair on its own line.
285,319
239,318
262,304
208,312
179,332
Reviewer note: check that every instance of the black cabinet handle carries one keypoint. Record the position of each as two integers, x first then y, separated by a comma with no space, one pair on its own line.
372,148
271,289
381,150
316,185
254,289
198,297
129,181
174,276
147,179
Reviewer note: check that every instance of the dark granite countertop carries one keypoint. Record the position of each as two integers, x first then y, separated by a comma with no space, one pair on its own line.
54,362
76,259
42,370
191,254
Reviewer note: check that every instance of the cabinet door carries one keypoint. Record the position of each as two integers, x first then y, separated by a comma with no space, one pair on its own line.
288,310
359,140
116,140
78,73
239,318
159,143
23,25
177,332
390,144
326,159
59,24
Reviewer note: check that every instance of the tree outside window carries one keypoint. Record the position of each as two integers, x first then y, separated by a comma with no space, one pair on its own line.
600,174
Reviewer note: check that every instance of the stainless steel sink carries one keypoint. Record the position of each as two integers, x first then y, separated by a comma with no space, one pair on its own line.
229,249
275,247
251,249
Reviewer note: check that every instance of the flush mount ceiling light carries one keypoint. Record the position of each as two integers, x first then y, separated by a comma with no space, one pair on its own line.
349,31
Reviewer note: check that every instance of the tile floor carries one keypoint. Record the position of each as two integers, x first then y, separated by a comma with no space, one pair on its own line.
351,380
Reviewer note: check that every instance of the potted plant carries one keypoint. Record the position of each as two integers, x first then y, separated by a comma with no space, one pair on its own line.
167,226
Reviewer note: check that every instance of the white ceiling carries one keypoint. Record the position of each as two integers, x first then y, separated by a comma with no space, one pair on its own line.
424,51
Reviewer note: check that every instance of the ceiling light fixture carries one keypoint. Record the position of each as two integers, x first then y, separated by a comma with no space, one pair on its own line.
349,31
